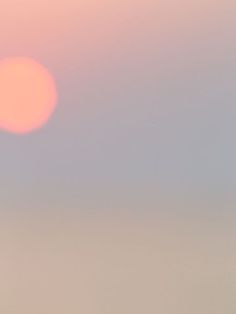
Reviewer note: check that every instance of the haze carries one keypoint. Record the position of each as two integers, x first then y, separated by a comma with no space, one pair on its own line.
125,201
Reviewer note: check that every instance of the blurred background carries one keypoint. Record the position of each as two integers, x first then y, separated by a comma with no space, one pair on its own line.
125,201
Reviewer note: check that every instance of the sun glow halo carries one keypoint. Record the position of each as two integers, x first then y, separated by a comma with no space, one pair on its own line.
27,95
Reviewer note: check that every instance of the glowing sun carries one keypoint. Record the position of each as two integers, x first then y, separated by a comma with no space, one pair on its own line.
28,95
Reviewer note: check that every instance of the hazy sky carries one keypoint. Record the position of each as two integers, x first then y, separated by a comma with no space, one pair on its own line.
146,104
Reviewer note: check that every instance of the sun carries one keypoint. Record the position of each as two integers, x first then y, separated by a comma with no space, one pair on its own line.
28,95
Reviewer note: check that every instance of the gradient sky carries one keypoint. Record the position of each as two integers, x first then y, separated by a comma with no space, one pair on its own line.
146,104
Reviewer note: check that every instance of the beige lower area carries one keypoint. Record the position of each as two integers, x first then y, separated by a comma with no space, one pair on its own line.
110,267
